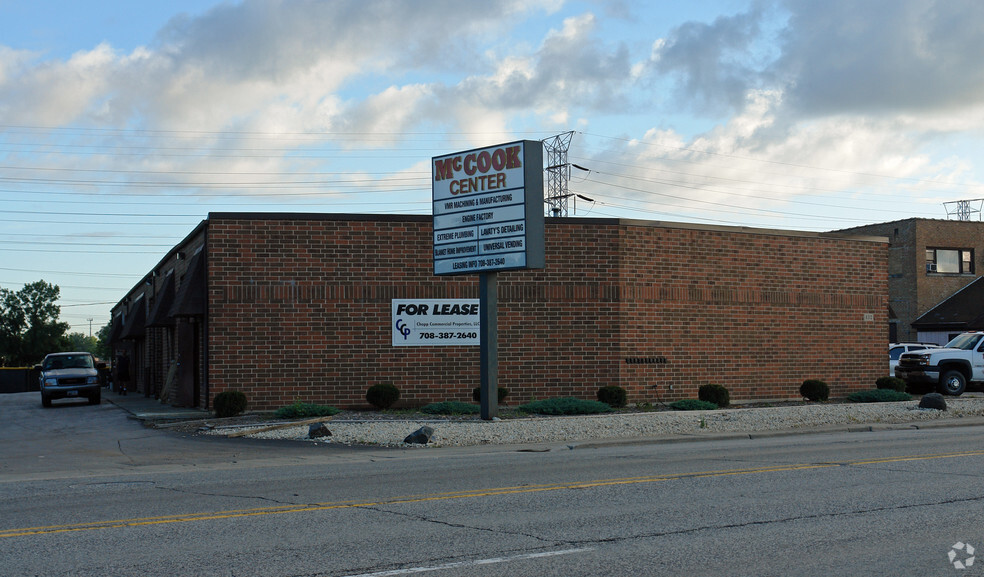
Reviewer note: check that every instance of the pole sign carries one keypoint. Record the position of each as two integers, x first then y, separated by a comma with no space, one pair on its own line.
488,209
435,322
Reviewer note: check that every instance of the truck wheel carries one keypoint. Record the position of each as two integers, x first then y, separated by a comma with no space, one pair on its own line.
45,401
952,383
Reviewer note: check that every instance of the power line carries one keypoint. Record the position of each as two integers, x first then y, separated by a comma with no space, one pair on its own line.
86,273
783,163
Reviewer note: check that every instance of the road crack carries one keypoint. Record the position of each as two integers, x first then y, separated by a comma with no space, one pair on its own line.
234,496
426,519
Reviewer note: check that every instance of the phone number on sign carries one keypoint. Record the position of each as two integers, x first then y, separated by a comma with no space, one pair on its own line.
449,335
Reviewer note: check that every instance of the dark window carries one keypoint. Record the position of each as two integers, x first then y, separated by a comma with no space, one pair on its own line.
950,260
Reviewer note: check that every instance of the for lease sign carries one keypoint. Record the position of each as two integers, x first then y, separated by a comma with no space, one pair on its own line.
488,209
435,322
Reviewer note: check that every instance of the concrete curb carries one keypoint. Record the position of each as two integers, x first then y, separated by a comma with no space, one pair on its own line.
854,428
149,410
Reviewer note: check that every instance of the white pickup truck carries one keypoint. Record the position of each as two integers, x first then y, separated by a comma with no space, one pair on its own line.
950,369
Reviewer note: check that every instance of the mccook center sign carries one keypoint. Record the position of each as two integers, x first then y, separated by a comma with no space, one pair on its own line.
488,209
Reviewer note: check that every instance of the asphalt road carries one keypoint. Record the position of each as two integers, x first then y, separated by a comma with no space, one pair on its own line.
86,491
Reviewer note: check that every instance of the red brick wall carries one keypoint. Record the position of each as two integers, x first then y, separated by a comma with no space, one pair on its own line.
300,310
758,313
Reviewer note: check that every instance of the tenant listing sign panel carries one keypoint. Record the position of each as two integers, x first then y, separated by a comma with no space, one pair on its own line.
488,209
435,322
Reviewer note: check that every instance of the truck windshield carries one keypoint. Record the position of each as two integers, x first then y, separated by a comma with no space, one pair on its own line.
68,362
965,342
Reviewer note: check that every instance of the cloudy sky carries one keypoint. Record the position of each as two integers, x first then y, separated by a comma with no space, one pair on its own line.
122,124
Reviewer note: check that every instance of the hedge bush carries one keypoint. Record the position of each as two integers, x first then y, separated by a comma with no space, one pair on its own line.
893,383
383,395
717,394
501,394
878,396
301,410
229,403
613,396
565,406
815,390
450,408
692,405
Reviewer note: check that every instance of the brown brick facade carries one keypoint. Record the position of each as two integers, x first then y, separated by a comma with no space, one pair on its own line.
299,309
912,289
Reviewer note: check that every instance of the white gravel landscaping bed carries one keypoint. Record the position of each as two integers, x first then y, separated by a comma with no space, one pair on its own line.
458,432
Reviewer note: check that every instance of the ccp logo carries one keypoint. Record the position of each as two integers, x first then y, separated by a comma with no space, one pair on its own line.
402,328
961,555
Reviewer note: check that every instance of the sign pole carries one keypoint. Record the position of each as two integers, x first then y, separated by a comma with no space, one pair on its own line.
489,345
488,217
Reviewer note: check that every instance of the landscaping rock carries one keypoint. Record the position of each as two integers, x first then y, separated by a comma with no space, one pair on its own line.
318,430
933,401
421,436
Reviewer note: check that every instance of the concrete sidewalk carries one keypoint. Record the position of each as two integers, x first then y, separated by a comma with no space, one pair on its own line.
150,409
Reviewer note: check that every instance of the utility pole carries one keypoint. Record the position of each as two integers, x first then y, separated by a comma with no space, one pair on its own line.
90,327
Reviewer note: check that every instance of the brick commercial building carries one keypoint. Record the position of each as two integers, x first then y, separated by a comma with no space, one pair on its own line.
289,307
929,261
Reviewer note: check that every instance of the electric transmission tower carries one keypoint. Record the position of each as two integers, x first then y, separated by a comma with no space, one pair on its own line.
963,209
558,173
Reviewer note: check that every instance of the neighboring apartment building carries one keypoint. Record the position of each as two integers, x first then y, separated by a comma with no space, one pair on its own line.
288,307
929,261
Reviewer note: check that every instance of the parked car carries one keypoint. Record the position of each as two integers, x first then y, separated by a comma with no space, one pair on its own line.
65,375
895,351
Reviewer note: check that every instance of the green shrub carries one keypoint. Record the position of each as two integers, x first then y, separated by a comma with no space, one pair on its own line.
301,410
613,396
893,383
692,405
450,408
878,396
716,394
229,403
565,406
501,394
815,390
383,395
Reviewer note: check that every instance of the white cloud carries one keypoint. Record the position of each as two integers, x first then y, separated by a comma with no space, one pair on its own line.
756,168
883,57
858,88
714,62
53,92
232,64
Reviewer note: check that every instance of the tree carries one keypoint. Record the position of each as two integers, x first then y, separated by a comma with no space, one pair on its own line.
82,342
29,325
102,349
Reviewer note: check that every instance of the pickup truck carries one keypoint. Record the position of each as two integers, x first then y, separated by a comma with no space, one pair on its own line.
70,375
950,369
